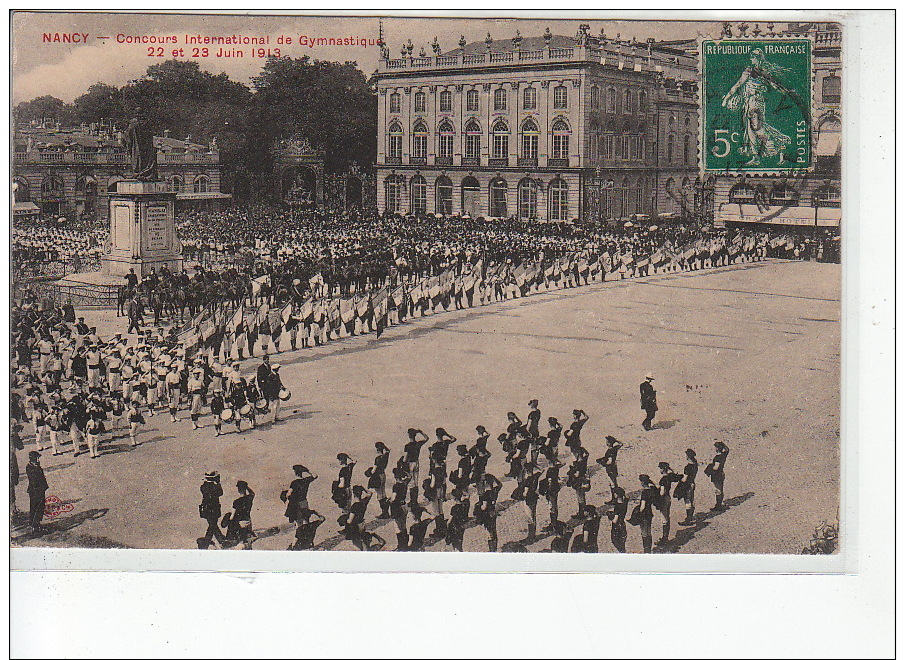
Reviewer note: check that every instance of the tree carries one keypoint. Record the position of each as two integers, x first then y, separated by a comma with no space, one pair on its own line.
101,102
44,107
330,103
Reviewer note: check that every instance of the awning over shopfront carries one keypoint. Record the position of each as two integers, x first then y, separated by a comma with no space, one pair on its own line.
828,140
197,196
26,208
800,216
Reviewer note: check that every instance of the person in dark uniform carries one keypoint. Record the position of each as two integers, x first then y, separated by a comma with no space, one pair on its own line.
485,510
664,503
550,448
479,455
342,487
608,462
577,477
562,536
418,529
218,405
263,373
398,504
590,529
549,486
618,532
643,515
296,496
377,478
684,490
534,417
716,471
458,519
238,524
307,523
573,433
37,489
209,510
412,451
648,401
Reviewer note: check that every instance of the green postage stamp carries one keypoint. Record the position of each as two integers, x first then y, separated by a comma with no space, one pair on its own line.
756,105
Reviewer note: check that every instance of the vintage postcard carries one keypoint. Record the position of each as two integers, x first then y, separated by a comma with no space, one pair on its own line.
401,284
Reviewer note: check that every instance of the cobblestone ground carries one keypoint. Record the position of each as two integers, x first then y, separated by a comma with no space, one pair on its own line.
748,354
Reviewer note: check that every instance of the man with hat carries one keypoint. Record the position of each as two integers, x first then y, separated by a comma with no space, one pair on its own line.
296,496
271,391
608,462
715,470
685,489
209,509
648,401
37,488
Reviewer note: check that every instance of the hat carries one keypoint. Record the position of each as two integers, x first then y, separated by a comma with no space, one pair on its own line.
533,402
212,476
275,367
610,439
690,452
663,465
480,429
648,377
34,454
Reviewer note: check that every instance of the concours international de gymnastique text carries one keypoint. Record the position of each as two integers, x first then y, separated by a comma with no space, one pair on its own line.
301,40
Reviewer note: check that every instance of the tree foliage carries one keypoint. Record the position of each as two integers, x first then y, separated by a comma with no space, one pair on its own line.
330,103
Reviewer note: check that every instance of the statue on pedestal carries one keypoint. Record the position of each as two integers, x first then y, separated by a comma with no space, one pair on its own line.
140,141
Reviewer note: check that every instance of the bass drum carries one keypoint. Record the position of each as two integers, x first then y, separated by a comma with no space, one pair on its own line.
227,414
261,405
285,394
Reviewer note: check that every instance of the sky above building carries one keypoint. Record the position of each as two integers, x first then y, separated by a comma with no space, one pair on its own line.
62,54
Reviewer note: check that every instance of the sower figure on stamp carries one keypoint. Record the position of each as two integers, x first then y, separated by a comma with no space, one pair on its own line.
648,401
209,510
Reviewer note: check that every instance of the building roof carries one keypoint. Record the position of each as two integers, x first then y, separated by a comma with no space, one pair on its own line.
506,45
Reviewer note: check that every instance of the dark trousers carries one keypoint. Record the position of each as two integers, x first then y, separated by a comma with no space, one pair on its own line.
35,508
647,420
213,531
134,322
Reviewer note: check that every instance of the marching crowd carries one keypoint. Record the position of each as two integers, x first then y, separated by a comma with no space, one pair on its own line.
460,493
324,277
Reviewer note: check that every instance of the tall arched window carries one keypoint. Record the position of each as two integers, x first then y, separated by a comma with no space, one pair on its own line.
595,98
560,97
500,139
560,132
642,101
499,100
394,141
201,184
670,147
444,195
618,103
609,146
395,102
593,135
394,186
611,100
471,196
419,140
445,139
471,100
530,137
527,199
559,200
420,102
627,102
642,148
686,149
175,183
529,98
446,101
419,195
607,201
624,198
498,207
472,140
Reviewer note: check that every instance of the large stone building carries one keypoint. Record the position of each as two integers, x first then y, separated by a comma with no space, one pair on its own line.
70,172
804,203
550,127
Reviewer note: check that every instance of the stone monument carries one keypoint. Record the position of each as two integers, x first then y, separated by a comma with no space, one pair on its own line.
142,214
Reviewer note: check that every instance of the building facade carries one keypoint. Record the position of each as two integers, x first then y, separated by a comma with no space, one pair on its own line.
556,128
71,172
804,203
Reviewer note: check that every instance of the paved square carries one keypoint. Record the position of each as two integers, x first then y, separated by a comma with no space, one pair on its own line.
748,354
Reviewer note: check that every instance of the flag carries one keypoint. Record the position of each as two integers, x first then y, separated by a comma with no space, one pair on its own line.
258,283
286,313
606,261
236,321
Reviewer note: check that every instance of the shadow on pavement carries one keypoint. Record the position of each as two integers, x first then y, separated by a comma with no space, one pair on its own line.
701,521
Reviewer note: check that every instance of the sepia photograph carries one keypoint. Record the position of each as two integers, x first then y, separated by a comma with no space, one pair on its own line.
413,284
